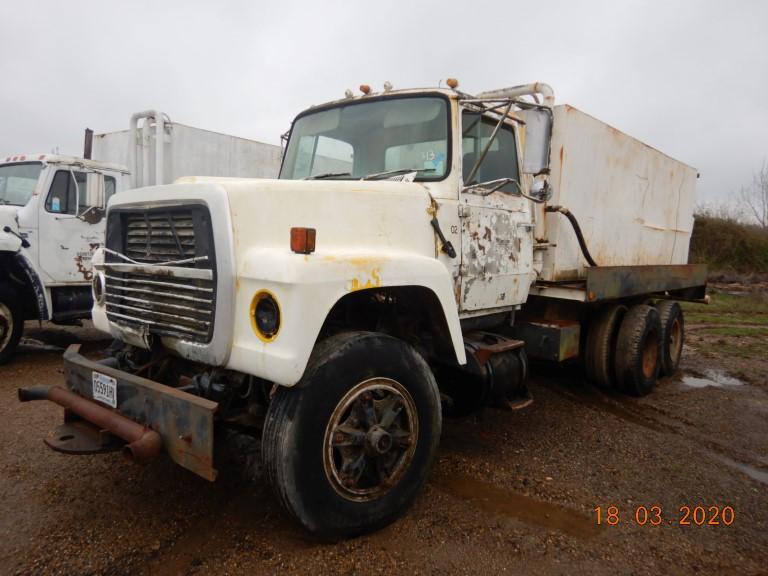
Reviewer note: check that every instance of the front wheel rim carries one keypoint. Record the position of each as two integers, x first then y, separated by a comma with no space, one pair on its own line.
6,326
370,439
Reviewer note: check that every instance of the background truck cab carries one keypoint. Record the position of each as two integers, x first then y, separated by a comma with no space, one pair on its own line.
52,209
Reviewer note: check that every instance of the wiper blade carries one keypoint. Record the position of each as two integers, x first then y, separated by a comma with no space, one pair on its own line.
395,172
327,175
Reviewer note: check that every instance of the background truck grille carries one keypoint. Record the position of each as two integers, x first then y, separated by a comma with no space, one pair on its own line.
176,299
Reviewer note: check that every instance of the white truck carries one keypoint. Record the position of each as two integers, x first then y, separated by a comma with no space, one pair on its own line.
417,247
52,209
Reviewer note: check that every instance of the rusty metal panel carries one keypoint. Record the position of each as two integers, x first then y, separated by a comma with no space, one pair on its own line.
496,266
634,203
184,421
610,282
549,340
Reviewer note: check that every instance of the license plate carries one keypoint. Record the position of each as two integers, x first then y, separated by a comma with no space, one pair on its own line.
105,389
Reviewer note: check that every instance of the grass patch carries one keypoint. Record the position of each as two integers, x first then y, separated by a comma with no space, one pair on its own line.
697,318
742,331
729,309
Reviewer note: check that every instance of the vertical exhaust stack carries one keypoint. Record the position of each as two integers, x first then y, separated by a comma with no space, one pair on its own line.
136,142
545,90
88,146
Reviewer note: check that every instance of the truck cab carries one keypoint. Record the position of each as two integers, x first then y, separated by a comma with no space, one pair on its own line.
52,219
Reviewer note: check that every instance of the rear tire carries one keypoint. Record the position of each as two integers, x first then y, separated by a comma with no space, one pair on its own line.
638,350
672,336
11,323
600,346
349,447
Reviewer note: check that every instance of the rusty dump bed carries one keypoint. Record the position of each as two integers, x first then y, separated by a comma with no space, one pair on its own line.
634,204
133,408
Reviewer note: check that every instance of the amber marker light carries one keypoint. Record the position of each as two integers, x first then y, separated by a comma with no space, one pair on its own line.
303,240
365,89
452,83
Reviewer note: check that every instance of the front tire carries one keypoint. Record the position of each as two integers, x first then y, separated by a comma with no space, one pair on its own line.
11,323
349,447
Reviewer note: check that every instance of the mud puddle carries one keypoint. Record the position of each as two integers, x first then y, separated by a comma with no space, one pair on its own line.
751,471
495,500
710,377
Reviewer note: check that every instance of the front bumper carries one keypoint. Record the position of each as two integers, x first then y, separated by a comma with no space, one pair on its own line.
183,421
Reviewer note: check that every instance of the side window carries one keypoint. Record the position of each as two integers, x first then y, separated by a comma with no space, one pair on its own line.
63,194
501,159
110,187
62,197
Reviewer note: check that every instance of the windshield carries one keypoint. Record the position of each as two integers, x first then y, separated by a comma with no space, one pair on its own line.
367,139
18,181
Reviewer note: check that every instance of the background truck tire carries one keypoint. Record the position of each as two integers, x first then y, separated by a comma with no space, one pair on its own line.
600,346
638,350
672,336
367,405
11,323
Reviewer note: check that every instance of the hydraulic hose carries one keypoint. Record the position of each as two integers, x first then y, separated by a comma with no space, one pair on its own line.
577,229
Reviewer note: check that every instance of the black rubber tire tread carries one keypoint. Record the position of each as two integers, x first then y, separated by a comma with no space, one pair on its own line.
639,323
292,440
669,311
8,297
600,345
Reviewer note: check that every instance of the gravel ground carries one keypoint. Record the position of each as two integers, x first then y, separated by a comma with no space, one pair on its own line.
512,491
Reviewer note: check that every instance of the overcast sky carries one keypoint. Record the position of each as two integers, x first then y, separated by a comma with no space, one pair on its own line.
687,77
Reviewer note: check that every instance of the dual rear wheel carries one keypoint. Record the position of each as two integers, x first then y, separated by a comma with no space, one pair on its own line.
630,348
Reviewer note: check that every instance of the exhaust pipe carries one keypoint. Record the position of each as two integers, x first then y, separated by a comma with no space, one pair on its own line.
144,444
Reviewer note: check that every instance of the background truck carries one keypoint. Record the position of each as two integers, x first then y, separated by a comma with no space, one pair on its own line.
52,209
417,248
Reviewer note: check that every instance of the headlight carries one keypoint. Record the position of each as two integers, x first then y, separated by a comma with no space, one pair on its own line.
265,316
99,289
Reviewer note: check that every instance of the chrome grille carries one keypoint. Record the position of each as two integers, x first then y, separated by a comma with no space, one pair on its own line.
166,282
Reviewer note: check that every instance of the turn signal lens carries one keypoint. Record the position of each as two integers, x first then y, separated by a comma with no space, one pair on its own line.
303,240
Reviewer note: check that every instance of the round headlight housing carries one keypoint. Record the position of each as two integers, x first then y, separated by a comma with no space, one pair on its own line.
99,288
265,315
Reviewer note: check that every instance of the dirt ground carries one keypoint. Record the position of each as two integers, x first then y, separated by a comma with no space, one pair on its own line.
512,492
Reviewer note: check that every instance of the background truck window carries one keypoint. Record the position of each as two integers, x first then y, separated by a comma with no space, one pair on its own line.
62,197
17,182
501,160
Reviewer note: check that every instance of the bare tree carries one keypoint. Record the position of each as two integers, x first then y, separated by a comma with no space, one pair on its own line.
755,197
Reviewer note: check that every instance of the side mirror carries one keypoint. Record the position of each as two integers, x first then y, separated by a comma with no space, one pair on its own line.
538,135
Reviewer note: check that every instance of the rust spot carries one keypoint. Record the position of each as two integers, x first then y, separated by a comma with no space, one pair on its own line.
487,235
87,274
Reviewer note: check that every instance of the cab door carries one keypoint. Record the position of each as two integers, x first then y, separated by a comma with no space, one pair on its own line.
496,220
71,224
